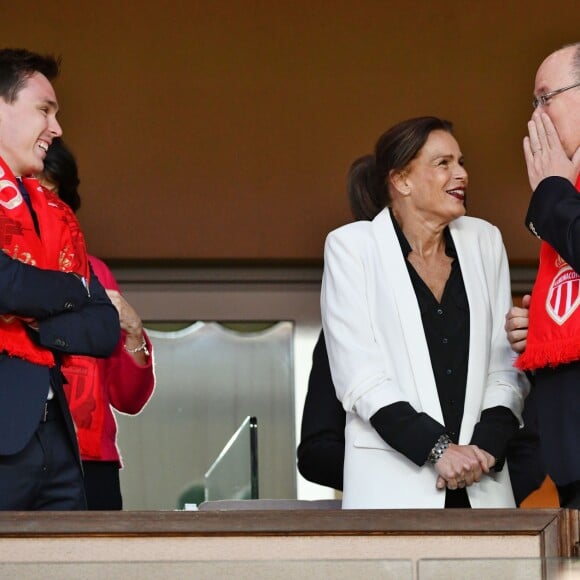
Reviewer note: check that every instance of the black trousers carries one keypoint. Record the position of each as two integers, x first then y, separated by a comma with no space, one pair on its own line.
558,412
456,498
569,495
102,485
46,474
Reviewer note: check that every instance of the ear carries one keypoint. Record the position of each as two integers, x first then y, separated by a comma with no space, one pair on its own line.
398,180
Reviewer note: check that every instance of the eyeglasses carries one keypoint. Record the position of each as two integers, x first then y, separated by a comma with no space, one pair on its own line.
542,100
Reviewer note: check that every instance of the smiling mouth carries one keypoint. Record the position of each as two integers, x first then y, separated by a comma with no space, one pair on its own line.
43,145
457,194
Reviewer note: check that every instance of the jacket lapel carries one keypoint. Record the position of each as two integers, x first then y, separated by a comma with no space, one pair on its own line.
398,282
469,256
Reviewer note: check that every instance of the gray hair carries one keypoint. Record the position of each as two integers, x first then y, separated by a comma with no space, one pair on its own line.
576,61
575,58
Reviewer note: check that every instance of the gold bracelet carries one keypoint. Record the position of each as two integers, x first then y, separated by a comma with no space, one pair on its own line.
141,347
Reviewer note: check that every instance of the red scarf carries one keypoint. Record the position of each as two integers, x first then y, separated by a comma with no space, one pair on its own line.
84,392
62,247
554,324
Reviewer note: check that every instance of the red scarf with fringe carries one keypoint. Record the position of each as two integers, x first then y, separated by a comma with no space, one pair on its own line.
62,247
554,324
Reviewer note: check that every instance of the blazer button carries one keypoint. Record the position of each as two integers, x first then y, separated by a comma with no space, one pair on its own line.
59,342
68,305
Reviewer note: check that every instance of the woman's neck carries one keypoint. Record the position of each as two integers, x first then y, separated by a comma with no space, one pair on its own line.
425,236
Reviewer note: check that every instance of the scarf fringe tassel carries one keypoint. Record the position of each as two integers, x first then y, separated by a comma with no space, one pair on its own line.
549,354
14,346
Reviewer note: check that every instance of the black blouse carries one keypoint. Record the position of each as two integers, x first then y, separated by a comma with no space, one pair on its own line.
446,326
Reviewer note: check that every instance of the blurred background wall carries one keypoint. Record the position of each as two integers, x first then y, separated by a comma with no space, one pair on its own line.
213,139
223,130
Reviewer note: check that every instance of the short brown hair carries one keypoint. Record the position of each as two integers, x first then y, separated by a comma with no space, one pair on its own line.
18,64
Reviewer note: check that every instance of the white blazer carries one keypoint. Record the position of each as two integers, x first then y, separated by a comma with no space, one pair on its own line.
378,356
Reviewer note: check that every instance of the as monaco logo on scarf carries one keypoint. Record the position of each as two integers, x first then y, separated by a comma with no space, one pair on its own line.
10,196
554,325
564,294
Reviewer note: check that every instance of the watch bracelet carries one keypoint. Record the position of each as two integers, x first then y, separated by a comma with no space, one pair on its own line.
439,448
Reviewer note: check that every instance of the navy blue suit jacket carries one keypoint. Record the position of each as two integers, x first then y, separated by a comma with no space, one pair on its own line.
70,321
554,216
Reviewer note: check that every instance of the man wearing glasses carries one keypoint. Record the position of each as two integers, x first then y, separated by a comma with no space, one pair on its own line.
550,343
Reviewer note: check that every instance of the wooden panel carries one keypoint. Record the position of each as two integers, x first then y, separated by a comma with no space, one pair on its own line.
279,522
285,535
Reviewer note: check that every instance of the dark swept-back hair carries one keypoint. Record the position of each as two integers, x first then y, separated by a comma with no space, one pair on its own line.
368,190
19,64
60,168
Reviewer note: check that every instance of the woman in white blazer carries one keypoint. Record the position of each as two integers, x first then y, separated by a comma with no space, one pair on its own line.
413,309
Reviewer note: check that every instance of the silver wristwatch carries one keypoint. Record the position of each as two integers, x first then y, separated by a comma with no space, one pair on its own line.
439,448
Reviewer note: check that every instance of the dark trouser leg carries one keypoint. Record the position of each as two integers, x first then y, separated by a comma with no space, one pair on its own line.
569,495
20,477
62,486
558,411
102,485
46,474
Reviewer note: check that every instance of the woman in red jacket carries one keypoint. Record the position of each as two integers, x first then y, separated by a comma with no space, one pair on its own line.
124,381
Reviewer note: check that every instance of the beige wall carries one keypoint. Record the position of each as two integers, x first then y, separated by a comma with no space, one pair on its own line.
223,129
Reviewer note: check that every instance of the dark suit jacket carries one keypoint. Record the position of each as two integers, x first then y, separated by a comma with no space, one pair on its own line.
70,321
554,216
